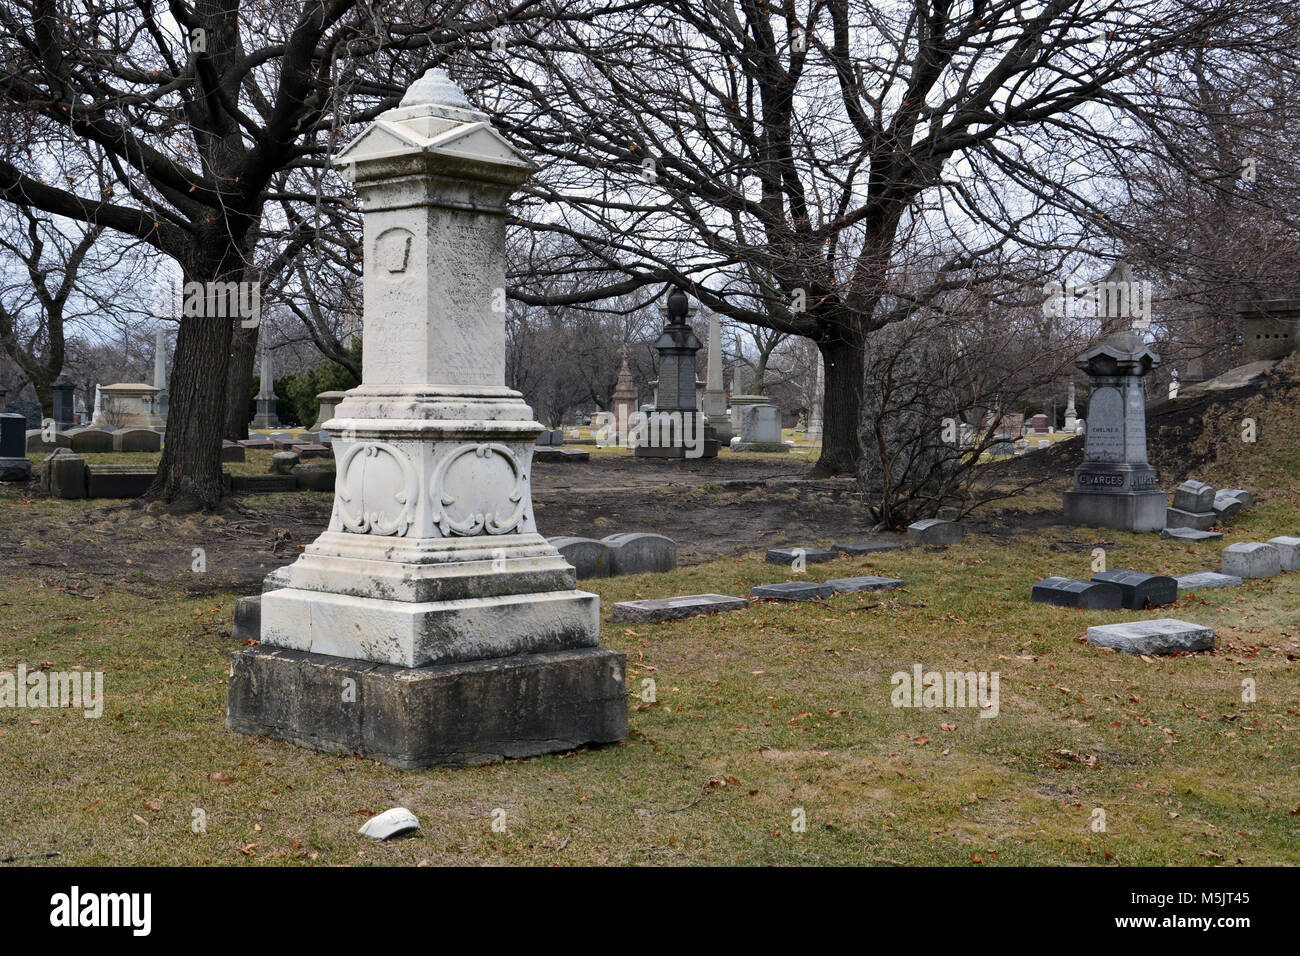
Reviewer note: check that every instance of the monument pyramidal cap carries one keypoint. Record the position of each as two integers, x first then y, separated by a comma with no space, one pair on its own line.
459,626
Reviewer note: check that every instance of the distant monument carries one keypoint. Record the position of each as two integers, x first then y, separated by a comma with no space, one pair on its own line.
624,403
1270,329
431,623
1115,487
266,417
62,394
715,395
160,370
815,400
677,428
1071,413
128,405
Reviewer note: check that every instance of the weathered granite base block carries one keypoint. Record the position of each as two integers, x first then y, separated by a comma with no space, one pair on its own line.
1134,511
410,634
418,717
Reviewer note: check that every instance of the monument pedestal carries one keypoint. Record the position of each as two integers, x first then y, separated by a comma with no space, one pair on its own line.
1133,511
470,712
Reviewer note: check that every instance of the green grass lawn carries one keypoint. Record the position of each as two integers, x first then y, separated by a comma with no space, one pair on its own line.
759,719
757,715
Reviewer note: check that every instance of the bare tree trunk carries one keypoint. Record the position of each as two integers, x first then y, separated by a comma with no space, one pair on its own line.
189,474
243,352
842,408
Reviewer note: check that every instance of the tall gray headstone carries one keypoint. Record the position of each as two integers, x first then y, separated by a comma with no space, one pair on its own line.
1115,487
266,416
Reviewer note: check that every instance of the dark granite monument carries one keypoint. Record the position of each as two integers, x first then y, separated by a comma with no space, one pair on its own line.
14,463
677,428
1115,487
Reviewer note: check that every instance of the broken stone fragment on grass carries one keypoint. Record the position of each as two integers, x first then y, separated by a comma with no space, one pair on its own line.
790,556
389,824
1190,534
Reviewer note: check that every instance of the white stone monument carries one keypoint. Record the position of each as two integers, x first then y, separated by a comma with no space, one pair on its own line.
715,394
160,372
432,565
815,400
265,416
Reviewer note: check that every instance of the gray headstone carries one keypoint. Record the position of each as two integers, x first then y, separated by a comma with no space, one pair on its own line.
1195,496
788,556
935,531
635,552
792,591
1251,559
1071,592
864,583
1288,550
90,441
1196,520
1163,636
761,424
36,440
671,609
1226,506
137,439
1245,497
591,559
1190,534
867,547
1141,591
283,462
1206,579
231,451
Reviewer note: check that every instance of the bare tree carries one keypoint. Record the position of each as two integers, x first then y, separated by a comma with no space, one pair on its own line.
768,155
198,108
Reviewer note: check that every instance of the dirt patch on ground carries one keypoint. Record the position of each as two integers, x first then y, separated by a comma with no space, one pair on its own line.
712,509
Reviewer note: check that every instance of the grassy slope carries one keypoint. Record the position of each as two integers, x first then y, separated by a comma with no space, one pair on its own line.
759,712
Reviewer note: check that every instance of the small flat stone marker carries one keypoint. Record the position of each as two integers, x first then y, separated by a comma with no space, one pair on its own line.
792,591
1288,550
1163,636
867,547
1190,534
935,531
1206,579
674,608
1251,559
1071,592
865,583
1140,590
790,555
